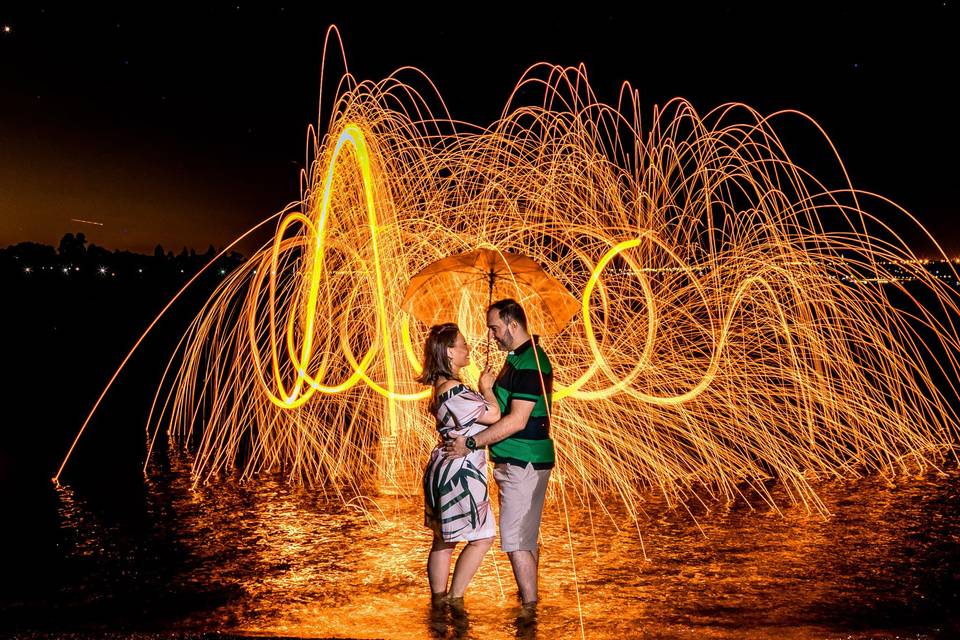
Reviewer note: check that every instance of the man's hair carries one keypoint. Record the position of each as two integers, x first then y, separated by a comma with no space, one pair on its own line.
510,309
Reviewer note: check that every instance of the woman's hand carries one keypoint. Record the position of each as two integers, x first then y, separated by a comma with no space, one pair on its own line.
486,380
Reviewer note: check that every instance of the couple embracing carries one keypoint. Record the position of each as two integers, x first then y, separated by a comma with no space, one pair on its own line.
510,415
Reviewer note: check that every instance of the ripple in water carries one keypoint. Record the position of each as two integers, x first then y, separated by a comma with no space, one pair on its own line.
269,559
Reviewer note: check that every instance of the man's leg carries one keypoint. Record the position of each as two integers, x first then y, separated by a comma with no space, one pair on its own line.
514,503
524,565
522,491
527,566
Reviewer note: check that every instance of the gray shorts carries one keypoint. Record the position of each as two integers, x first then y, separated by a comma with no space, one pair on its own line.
522,490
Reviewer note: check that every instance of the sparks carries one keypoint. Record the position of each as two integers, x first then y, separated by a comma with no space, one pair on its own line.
719,341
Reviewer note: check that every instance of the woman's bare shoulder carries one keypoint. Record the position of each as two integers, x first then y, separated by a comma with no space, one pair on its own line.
446,385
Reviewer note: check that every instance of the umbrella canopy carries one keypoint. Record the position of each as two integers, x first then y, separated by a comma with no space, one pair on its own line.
466,282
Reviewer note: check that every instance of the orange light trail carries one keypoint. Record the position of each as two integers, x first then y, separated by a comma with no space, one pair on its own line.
719,342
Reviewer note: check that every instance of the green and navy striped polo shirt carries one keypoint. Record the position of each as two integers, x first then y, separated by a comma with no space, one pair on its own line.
525,376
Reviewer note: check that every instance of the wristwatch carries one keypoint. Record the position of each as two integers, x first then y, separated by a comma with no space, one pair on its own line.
471,443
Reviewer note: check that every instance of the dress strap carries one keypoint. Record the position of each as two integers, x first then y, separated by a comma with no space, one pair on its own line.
449,393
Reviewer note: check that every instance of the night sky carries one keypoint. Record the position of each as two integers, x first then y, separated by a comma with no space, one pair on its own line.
185,127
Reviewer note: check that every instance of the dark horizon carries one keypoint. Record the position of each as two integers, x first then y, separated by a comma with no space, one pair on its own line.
69,238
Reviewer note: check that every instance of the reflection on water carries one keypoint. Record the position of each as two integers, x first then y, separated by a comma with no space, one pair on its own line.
276,560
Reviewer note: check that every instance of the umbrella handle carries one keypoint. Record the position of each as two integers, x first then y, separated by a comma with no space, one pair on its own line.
490,278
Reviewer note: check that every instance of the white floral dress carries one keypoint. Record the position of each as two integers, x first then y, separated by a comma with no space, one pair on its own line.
456,502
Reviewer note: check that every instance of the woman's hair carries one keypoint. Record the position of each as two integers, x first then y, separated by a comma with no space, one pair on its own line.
436,362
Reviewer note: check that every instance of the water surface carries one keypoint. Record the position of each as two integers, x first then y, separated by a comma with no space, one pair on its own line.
266,558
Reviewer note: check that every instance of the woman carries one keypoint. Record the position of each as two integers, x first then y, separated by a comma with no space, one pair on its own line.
456,504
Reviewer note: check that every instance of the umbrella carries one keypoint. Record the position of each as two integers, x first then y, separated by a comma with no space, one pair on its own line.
444,288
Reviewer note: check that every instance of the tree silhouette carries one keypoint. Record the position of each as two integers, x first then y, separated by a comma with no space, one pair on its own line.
72,247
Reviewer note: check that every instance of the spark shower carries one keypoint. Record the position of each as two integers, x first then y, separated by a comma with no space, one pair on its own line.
736,321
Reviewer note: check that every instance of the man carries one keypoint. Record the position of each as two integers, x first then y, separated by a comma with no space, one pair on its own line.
520,444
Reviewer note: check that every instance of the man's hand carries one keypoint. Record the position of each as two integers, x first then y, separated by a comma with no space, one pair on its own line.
456,448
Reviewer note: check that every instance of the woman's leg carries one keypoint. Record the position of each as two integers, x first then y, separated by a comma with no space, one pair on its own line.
467,565
438,565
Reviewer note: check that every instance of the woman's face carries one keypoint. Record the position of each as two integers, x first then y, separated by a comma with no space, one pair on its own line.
459,353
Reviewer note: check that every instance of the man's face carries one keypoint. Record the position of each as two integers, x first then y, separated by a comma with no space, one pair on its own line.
499,330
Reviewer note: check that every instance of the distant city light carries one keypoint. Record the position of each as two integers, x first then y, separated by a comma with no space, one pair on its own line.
102,270
27,270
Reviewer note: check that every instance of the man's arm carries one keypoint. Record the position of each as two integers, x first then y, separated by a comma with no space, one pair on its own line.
518,413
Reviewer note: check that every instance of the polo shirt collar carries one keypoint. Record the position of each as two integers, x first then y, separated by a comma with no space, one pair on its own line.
523,347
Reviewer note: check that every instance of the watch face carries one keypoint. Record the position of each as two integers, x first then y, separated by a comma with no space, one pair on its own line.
471,443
